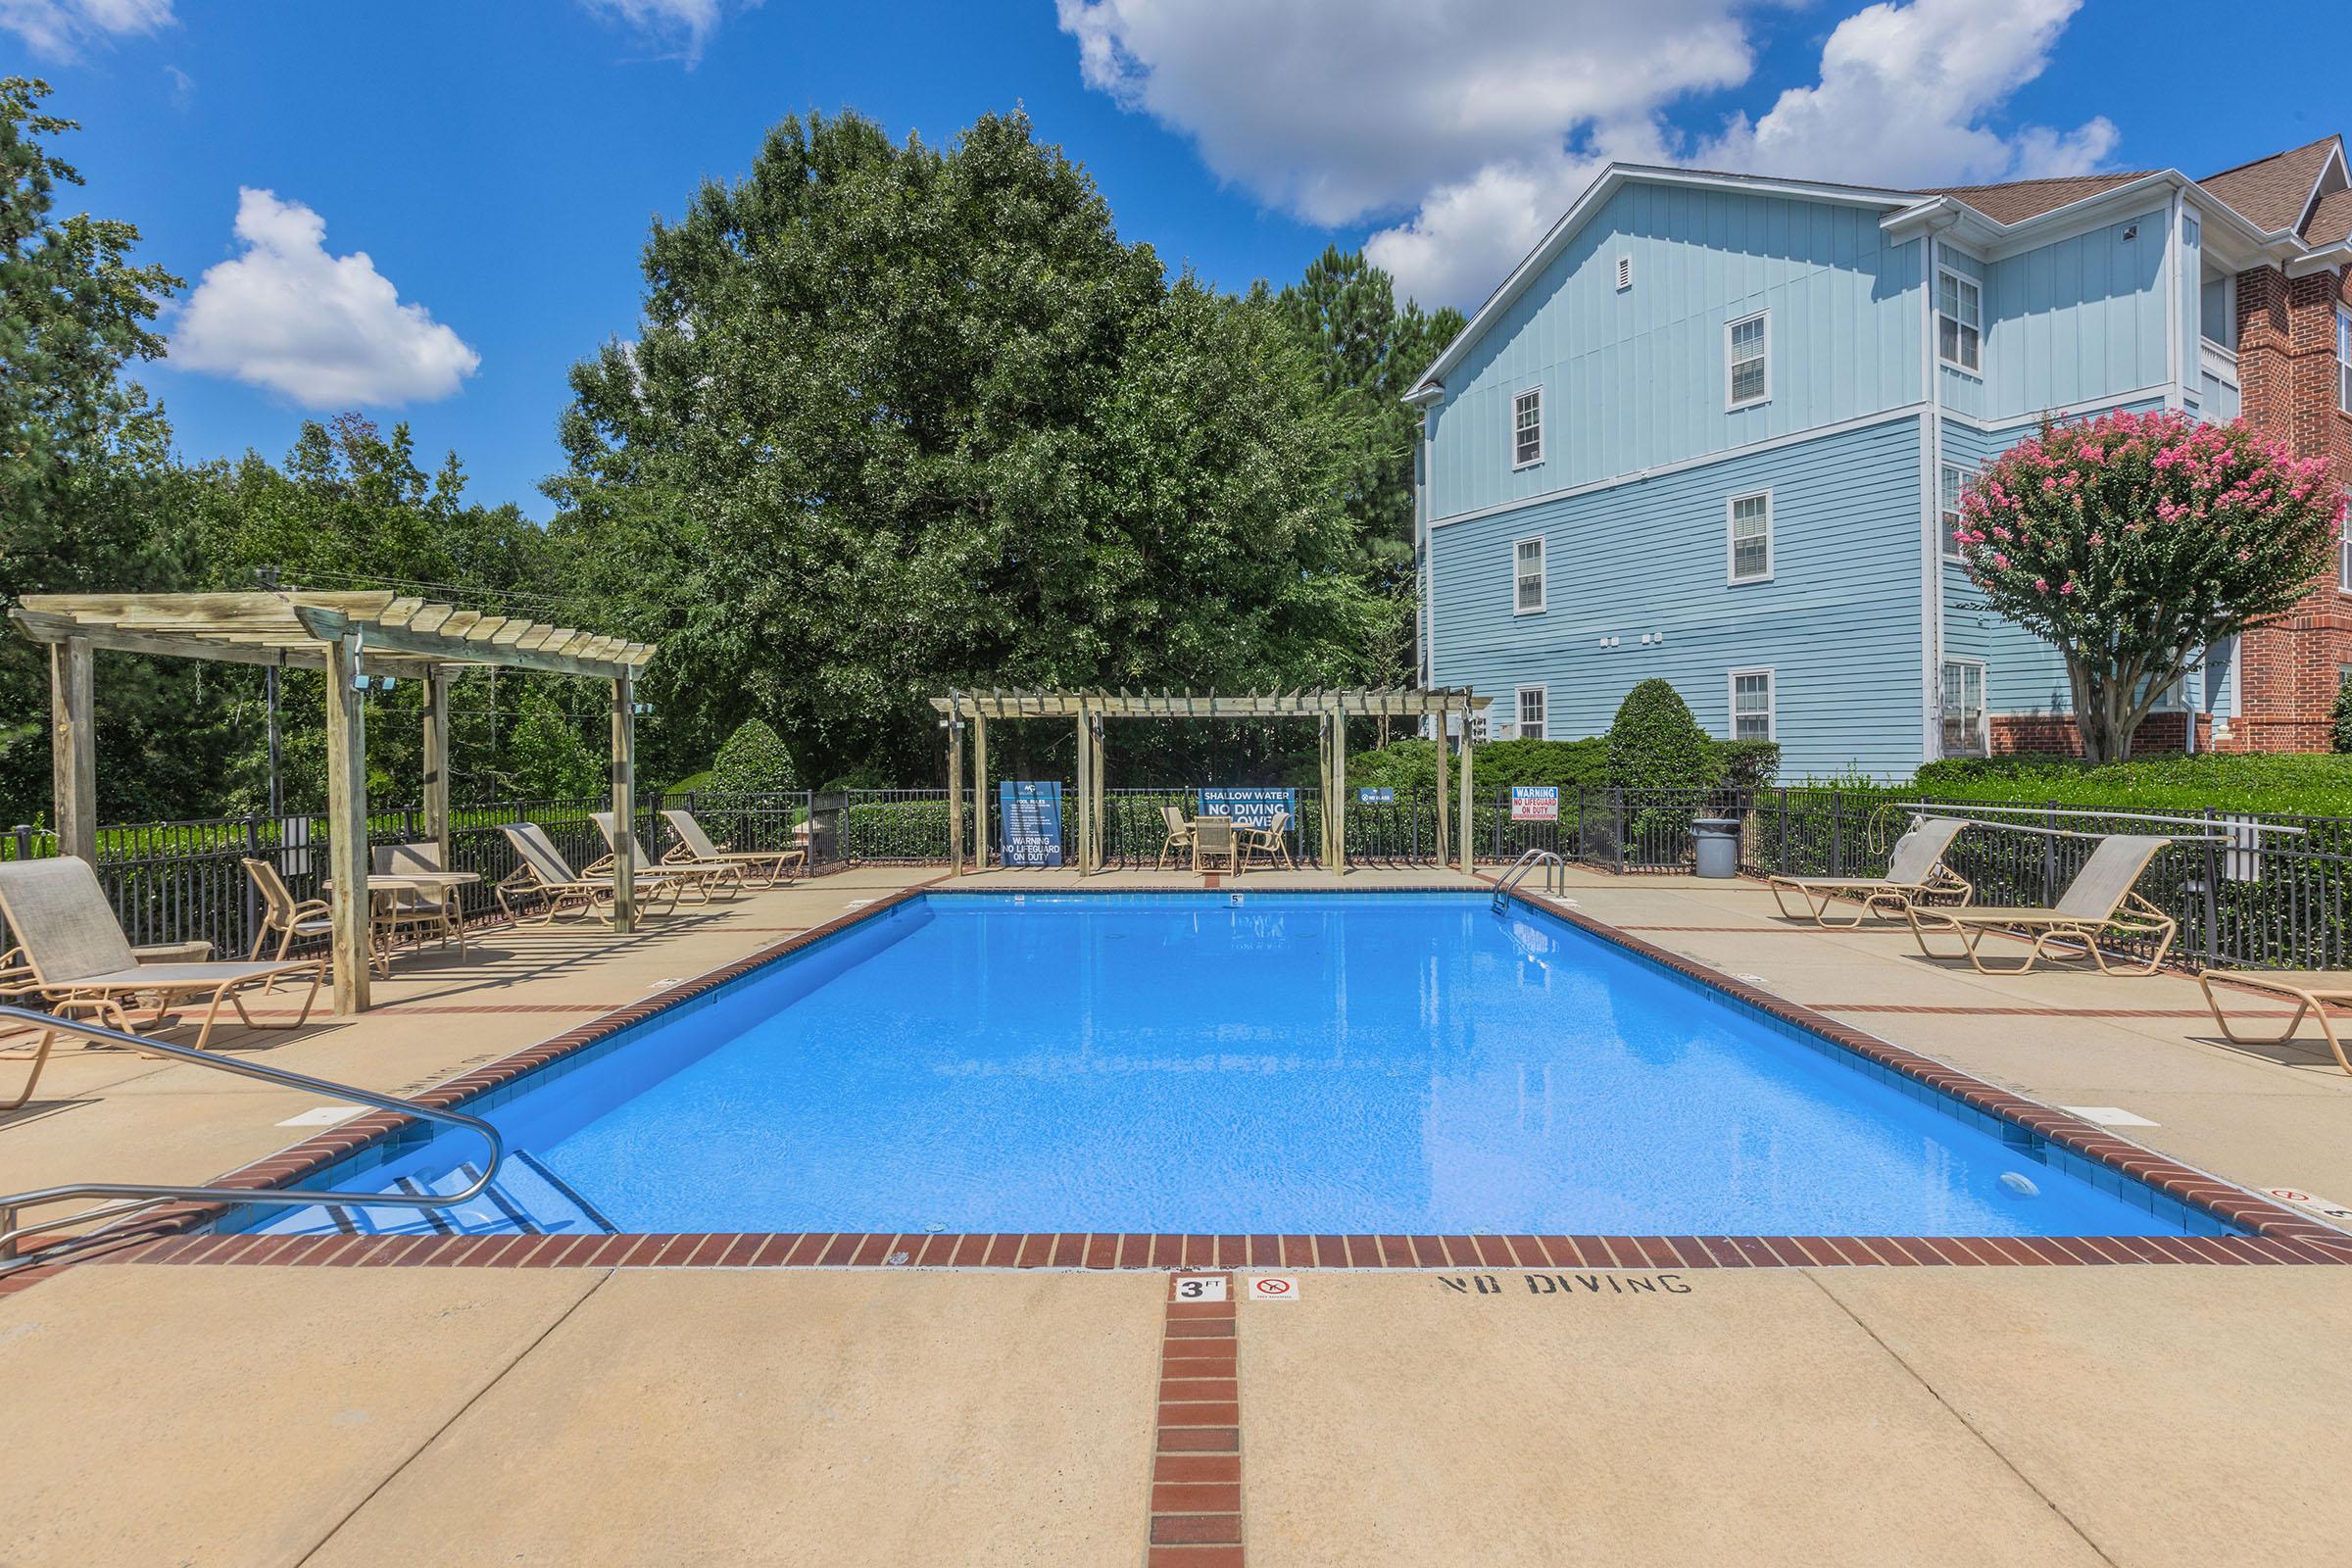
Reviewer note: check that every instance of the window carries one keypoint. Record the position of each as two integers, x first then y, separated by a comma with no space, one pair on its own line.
1751,705
1948,507
1747,352
1531,713
2343,359
1527,573
1959,321
1964,733
1625,271
1527,428
1749,520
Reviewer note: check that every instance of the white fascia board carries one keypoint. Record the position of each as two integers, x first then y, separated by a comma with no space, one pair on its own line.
1609,182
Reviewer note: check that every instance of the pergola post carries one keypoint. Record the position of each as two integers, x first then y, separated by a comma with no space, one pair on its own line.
1469,855
624,804
347,864
1085,791
1335,807
1444,816
73,749
979,794
955,794
1099,731
436,761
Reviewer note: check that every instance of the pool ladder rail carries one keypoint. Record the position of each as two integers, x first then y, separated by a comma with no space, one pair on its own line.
135,1197
1555,876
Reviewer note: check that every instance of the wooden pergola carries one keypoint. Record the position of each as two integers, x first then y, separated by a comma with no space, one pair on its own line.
346,636
1090,711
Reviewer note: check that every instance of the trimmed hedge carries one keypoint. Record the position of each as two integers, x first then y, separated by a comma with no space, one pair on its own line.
2303,783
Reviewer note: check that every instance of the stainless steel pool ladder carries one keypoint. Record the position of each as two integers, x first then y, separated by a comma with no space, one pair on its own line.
144,1196
1556,875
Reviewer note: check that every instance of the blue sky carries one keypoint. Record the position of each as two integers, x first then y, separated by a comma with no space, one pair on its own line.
498,164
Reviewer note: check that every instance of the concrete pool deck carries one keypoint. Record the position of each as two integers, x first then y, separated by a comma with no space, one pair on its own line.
258,1415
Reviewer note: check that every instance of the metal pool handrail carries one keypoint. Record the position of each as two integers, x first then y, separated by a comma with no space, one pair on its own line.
1554,874
146,1195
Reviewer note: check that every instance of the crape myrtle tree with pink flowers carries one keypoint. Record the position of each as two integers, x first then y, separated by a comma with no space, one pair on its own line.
2135,542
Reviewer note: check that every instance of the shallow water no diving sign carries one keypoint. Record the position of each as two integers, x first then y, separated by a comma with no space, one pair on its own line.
2340,1213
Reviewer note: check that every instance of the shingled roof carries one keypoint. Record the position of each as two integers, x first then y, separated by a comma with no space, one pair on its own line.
2331,221
2021,199
2269,192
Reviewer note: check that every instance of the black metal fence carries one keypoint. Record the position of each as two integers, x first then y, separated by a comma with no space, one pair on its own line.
2257,889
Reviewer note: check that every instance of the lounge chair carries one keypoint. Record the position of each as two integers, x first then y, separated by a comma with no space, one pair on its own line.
695,878
540,869
2312,991
1915,871
80,960
2098,902
1213,840
1180,836
762,869
1269,840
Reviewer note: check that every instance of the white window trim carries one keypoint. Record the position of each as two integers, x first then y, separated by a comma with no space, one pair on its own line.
1772,701
2343,359
1543,576
1731,546
1729,404
1517,463
1983,700
1519,712
1976,369
1943,542
2344,558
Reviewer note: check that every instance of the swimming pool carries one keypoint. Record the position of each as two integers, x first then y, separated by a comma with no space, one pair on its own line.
1410,1063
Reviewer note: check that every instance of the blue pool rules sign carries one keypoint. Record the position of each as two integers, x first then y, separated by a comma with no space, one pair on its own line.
1249,808
1376,795
1029,822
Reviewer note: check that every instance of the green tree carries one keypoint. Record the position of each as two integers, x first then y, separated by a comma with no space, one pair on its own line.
1655,744
898,420
2135,542
753,762
85,474
547,760
2339,717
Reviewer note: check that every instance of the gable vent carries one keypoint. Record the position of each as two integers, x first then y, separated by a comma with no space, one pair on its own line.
1625,271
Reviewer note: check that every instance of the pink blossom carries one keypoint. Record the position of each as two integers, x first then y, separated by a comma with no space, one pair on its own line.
2066,587
2001,561
2042,585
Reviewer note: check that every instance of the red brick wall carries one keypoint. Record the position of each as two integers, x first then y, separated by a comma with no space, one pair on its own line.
2287,377
2055,733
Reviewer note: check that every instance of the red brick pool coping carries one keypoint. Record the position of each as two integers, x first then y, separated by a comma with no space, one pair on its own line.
2278,1234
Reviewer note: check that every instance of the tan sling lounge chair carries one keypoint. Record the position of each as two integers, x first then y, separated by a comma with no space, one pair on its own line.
695,878
2097,903
1915,871
2312,991
80,960
1180,836
541,869
762,869
1270,840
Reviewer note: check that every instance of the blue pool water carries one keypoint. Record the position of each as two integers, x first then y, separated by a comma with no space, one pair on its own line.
1267,1063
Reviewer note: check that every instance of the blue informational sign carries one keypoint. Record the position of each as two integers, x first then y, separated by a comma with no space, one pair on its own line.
1029,822
1375,795
1249,808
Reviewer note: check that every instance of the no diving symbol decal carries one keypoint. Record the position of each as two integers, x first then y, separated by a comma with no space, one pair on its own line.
1274,1288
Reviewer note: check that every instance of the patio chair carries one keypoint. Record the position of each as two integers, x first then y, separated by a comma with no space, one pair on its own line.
695,878
2098,902
762,869
80,960
541,869
1180,836
284,916
1915,871
422,911
1270,840
2312,991
1213,840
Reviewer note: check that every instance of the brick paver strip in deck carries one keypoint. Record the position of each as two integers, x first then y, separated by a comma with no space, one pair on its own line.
2280,1236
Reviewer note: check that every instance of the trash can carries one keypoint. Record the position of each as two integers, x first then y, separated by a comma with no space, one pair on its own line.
1718,842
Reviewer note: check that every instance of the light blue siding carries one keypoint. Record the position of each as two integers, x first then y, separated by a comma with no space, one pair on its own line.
1839,622
1635,378
2076,320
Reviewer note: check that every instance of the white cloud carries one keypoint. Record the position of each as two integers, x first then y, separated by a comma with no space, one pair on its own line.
328,331
678,28
1902,94
60,29
183,88
1485,119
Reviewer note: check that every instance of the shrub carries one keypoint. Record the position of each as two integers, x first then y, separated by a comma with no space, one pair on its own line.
1655,744
1749,765
2313,783
2340,717
753,762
